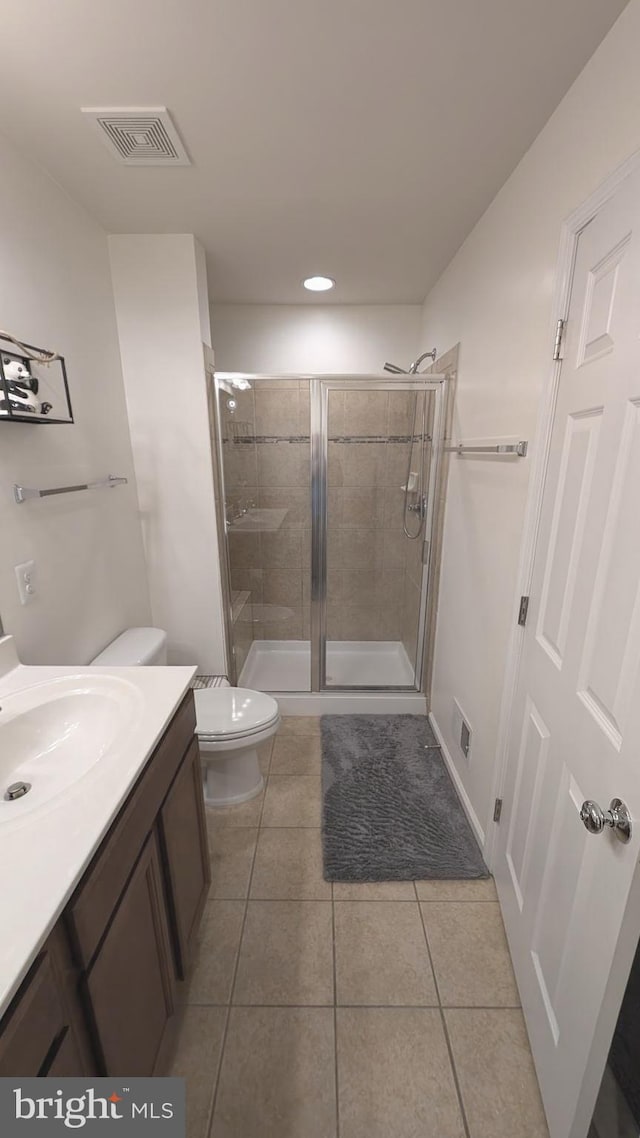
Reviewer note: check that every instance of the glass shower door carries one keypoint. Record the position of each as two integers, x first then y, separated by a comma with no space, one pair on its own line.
264,444
374,438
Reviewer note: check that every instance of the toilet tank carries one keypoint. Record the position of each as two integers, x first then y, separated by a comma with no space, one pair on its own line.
135,647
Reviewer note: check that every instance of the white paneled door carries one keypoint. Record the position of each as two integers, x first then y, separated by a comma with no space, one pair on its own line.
576,721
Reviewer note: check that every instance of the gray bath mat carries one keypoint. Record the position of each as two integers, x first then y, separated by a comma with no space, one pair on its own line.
390,809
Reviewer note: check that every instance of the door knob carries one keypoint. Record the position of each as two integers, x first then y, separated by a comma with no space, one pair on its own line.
617,817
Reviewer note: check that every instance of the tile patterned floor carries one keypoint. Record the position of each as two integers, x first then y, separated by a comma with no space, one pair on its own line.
345,1011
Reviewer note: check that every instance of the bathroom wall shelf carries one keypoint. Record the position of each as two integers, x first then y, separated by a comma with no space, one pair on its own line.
24,493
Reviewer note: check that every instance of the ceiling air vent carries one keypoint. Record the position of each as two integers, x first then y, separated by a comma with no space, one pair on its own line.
139,136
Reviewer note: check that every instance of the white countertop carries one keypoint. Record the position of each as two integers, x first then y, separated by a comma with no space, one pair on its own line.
43,858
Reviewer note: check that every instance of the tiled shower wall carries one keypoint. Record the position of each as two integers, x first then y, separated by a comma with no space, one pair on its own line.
374,572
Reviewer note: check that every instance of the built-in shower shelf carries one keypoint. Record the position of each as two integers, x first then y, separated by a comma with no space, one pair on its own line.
239,601
268,613
258,521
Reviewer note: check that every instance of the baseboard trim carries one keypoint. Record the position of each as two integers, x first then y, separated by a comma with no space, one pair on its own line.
457,782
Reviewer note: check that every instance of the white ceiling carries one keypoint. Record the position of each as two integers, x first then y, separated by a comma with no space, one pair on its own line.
357,138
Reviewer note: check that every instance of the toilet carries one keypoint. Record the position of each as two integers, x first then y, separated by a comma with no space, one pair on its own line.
231,723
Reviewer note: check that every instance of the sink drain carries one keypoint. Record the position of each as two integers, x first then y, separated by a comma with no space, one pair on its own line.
17,790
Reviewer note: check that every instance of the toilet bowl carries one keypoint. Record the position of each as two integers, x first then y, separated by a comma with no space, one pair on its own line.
231,723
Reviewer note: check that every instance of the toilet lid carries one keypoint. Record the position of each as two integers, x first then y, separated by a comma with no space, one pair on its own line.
233,711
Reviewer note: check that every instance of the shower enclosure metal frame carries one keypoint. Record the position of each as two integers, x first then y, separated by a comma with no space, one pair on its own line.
320,391
320,387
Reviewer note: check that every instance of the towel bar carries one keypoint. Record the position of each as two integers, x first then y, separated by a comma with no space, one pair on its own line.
22,493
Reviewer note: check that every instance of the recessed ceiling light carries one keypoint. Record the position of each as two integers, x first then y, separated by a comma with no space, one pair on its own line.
319,284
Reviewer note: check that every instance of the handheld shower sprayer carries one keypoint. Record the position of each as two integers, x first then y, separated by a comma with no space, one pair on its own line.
412,484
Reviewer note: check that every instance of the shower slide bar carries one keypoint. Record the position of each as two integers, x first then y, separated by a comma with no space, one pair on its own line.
519,448
23,493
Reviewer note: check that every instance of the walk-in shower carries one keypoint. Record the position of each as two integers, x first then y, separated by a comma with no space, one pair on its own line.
331,488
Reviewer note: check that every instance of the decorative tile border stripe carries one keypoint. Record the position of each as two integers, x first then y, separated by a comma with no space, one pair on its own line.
268,439
373,438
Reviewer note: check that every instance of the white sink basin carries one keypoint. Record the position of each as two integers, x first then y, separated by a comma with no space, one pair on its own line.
53,733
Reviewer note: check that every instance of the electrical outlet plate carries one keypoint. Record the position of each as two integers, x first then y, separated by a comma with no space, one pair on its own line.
25,576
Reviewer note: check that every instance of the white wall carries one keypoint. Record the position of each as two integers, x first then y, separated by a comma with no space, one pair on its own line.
314,337
162,313
55,291
496,299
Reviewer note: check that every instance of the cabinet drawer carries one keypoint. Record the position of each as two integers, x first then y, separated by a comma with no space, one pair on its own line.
36,1022
93,903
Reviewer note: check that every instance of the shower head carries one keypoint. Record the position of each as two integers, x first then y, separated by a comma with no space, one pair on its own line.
395,370
425,356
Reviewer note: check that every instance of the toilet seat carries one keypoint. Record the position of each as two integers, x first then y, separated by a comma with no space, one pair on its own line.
231,724
224,714
236,736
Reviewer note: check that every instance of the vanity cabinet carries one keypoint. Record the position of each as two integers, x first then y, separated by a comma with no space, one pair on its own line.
101,997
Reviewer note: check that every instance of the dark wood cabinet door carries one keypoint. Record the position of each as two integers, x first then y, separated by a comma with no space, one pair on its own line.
183,832
35,1022
44,1030
94,901
67,1060
131,985
72,1054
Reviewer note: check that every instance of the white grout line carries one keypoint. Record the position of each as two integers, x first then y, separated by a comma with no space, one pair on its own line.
335,1016
347,900
237,960
445,1028
376,1007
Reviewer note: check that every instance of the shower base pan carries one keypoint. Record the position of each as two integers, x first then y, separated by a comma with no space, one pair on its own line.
283,668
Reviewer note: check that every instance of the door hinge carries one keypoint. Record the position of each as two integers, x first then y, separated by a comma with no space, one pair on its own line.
557,347
523,610
497,810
